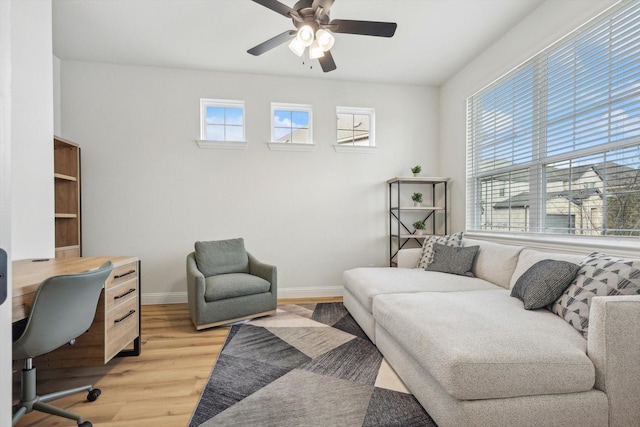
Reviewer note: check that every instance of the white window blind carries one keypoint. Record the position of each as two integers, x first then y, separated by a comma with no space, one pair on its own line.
554,146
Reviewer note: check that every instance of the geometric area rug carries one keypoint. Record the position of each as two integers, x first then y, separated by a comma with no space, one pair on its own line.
307,365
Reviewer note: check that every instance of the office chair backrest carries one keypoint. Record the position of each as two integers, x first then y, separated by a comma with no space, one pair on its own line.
63,309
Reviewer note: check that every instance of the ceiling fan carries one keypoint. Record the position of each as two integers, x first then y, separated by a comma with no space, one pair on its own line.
314,28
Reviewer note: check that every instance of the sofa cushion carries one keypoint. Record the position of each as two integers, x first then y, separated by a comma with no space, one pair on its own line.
221,256
365,283
600,275
528,257
453,260
427,246
495,262
544,282
483,345
233,285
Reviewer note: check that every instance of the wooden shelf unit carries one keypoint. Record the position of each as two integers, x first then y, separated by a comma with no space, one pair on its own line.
66,174
401,229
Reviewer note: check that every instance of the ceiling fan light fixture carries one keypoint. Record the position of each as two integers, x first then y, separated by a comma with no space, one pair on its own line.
315,51
296,47
325,39
305,35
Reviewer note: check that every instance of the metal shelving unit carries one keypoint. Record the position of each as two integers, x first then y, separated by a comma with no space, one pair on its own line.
434,215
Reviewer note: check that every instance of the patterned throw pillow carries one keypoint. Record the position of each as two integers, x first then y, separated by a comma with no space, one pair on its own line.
544,282
453,259
427,247
599,275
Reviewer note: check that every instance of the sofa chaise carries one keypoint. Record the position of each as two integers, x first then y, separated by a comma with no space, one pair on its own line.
473,356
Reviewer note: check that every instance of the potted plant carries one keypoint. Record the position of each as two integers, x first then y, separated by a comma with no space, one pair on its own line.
419,226
417,199
416,170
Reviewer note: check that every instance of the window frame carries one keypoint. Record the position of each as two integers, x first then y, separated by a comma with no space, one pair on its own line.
291,146
541,156
362,111
204,142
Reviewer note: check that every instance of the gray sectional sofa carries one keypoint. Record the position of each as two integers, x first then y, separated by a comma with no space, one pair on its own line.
473,356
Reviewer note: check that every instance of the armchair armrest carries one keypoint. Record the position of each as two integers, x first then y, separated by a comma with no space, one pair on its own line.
266,271
614,347
195,285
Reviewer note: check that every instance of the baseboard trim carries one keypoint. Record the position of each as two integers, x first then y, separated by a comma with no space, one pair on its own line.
154,298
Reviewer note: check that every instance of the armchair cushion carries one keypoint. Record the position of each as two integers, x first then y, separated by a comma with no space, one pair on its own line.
233,285
221,256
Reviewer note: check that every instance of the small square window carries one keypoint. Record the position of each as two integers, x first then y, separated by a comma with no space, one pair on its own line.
291,123
355,126
222,120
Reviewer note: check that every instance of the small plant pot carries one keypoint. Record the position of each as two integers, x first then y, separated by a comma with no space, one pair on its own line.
419,232
416,174
416,204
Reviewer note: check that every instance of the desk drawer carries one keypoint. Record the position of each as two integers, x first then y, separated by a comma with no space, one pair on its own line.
122,326
122,274
122,293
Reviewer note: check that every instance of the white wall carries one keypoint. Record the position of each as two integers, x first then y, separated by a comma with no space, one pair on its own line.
5,204
57,99
148,190
32,130
551,21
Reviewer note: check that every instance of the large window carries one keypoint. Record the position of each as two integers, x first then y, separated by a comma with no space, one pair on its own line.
291,123
554,146
221,120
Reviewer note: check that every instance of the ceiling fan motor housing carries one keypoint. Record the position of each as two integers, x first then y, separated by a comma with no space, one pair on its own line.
307,15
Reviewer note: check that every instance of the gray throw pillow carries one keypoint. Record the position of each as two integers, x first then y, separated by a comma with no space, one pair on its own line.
599,275
426,256
221,257
453,260
544,282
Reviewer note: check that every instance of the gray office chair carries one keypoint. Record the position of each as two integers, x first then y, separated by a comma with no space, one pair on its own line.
226,284
63,309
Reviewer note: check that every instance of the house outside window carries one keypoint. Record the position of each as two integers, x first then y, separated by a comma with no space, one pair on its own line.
222,120
355,126
554,146
291,123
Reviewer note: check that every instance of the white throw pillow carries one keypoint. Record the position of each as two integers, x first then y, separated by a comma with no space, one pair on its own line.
427,247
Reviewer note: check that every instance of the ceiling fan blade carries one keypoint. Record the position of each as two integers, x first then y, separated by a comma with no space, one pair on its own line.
276,6
271,43
325,4
367,28
326,62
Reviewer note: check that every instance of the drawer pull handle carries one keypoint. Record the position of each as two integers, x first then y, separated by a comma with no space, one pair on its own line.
124,274
117,297
124,317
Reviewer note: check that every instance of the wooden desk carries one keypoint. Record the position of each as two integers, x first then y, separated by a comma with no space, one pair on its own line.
116,325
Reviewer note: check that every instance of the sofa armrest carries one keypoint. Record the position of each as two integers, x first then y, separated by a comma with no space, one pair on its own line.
409,258
265,271
614,347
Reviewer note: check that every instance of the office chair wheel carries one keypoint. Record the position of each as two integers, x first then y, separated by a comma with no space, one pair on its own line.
86,424
92,397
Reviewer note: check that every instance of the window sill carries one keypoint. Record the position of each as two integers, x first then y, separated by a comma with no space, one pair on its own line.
359,149
290,146
222,145
618,246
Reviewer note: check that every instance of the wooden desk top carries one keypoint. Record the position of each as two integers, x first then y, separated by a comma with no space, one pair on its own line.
27,274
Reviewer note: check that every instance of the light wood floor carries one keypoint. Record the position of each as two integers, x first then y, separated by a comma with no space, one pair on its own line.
161,387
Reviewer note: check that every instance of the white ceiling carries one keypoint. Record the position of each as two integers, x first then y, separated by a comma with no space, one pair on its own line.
434,39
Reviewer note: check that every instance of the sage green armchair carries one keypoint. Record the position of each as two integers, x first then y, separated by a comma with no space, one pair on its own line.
226,284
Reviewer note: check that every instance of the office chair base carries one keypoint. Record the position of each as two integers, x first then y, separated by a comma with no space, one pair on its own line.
30,401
